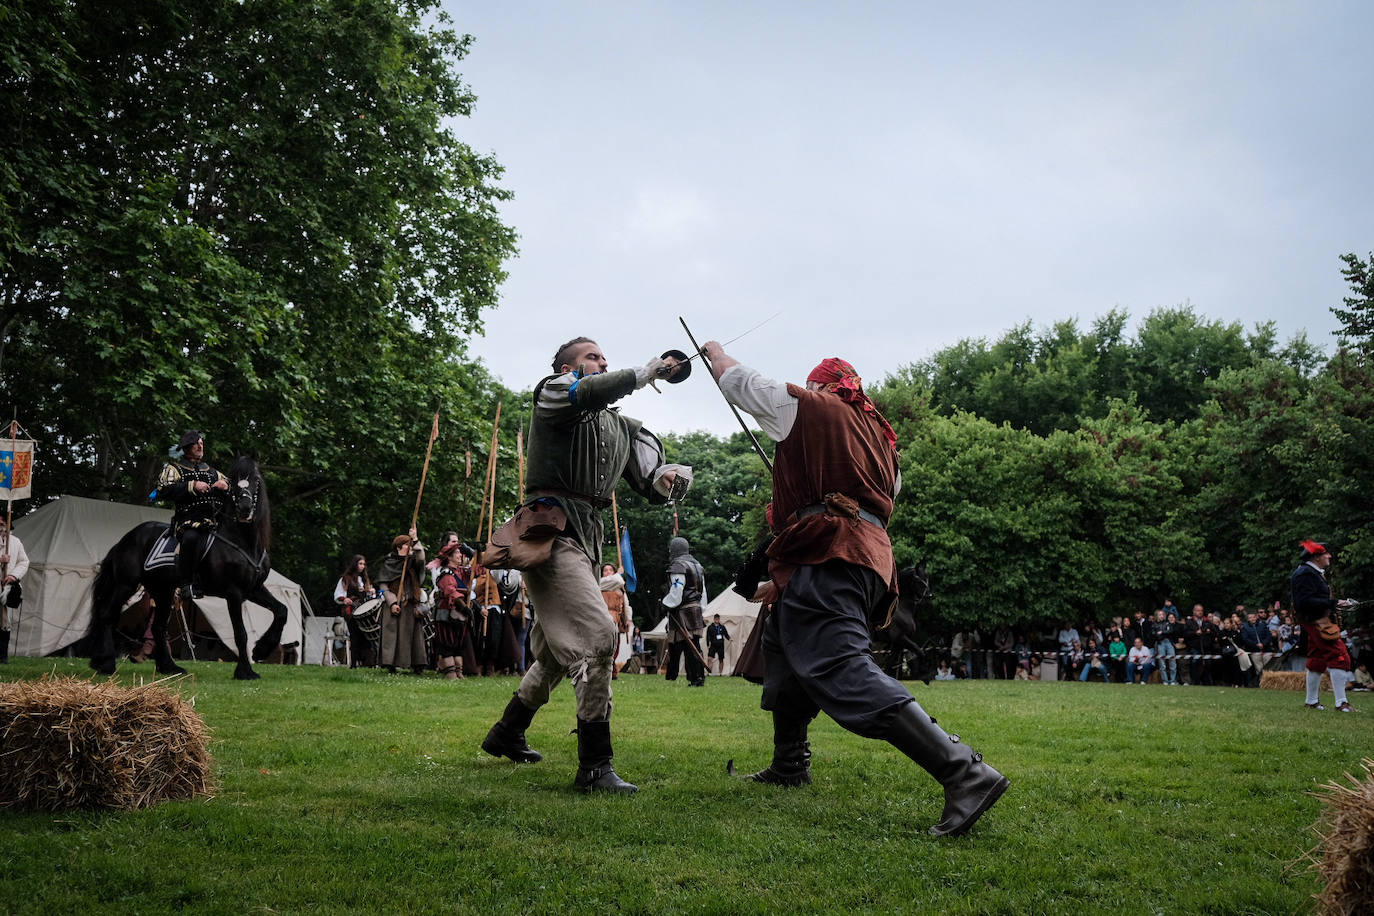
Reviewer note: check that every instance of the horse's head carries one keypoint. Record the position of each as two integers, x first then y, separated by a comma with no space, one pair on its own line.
913,583
245,488
248,496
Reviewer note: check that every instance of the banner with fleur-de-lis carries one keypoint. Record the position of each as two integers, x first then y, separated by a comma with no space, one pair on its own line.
16,468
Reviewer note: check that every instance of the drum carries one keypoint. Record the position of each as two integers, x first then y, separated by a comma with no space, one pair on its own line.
368,617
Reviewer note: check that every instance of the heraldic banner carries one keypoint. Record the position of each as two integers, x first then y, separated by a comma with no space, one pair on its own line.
16,468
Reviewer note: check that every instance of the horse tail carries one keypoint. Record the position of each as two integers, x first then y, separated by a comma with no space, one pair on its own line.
118,576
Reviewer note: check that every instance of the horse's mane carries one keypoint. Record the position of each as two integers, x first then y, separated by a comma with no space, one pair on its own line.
245,466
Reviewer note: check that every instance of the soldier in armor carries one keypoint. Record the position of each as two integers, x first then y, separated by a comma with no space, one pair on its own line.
197,490
683,602
579,448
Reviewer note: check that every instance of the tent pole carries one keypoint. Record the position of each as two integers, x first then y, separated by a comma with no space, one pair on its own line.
185,631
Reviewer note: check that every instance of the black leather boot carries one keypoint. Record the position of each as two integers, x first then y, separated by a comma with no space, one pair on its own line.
4,647
971,786
188,556
594,770
791,764
507,737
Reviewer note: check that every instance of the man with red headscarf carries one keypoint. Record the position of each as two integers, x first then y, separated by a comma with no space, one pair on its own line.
835,476
1314,605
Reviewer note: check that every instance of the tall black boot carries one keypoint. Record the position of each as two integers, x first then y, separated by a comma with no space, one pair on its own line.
4,647
188,550
971,786
594,770
791,764
507,737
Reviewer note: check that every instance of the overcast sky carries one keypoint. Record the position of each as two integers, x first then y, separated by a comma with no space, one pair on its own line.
894,177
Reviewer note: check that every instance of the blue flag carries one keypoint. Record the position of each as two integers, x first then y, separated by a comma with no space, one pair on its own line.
630,580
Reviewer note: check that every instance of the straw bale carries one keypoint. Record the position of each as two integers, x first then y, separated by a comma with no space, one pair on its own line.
68,743
1346,829
1291,680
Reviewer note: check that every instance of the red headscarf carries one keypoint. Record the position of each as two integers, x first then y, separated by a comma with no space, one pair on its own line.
838,376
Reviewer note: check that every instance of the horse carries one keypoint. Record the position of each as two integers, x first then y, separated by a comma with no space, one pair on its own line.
234,568
895,634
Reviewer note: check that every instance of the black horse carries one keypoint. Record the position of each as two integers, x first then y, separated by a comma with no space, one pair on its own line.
234,568
895,634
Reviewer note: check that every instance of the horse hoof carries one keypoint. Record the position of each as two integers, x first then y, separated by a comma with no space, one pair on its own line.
104,666
170,670
248,675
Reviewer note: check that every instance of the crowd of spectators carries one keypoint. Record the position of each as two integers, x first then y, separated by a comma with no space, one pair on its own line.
1165,647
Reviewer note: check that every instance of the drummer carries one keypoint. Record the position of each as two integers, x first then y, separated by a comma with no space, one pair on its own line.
355,588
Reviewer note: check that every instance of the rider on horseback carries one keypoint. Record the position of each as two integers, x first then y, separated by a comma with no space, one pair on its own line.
191,483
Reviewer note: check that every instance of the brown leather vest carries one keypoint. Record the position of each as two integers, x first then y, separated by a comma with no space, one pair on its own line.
833,447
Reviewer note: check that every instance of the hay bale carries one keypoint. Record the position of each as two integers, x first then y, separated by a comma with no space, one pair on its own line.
1346,829
68,743
1291,680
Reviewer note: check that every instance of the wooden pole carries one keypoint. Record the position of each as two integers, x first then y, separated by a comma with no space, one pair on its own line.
487,477
615,521
495,446
9,506
415,516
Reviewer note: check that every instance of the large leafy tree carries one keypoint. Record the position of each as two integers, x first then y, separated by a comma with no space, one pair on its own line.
250,218
1357,315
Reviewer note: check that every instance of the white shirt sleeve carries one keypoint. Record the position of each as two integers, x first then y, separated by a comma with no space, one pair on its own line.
676,583
19,558
765,400
557,392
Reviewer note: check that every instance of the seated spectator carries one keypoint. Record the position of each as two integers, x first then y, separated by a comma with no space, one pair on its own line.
1097,662
1076,660
1362,679
1116,651
1023,652
944,672
1141,659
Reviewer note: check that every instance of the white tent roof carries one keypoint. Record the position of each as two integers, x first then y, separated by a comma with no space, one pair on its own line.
737,614
67,539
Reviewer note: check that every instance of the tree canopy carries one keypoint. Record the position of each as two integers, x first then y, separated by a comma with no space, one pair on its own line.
250,219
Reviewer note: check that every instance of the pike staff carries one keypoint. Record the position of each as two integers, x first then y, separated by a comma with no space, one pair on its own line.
5,548
415,516
490,474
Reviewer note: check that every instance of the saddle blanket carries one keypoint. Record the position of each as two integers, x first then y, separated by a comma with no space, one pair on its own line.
163,553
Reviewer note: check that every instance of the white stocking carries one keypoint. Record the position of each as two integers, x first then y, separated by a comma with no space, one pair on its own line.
1339,679
1314,680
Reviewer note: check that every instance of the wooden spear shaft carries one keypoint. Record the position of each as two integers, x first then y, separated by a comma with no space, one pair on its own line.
486,478
495,444
615,521
415,516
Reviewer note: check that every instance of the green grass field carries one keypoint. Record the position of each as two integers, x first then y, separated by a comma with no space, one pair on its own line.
359,791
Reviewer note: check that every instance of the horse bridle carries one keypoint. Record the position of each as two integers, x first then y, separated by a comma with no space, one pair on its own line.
246,492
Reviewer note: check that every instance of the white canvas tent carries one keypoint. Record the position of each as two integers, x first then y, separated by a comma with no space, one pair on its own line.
67,539
738,615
